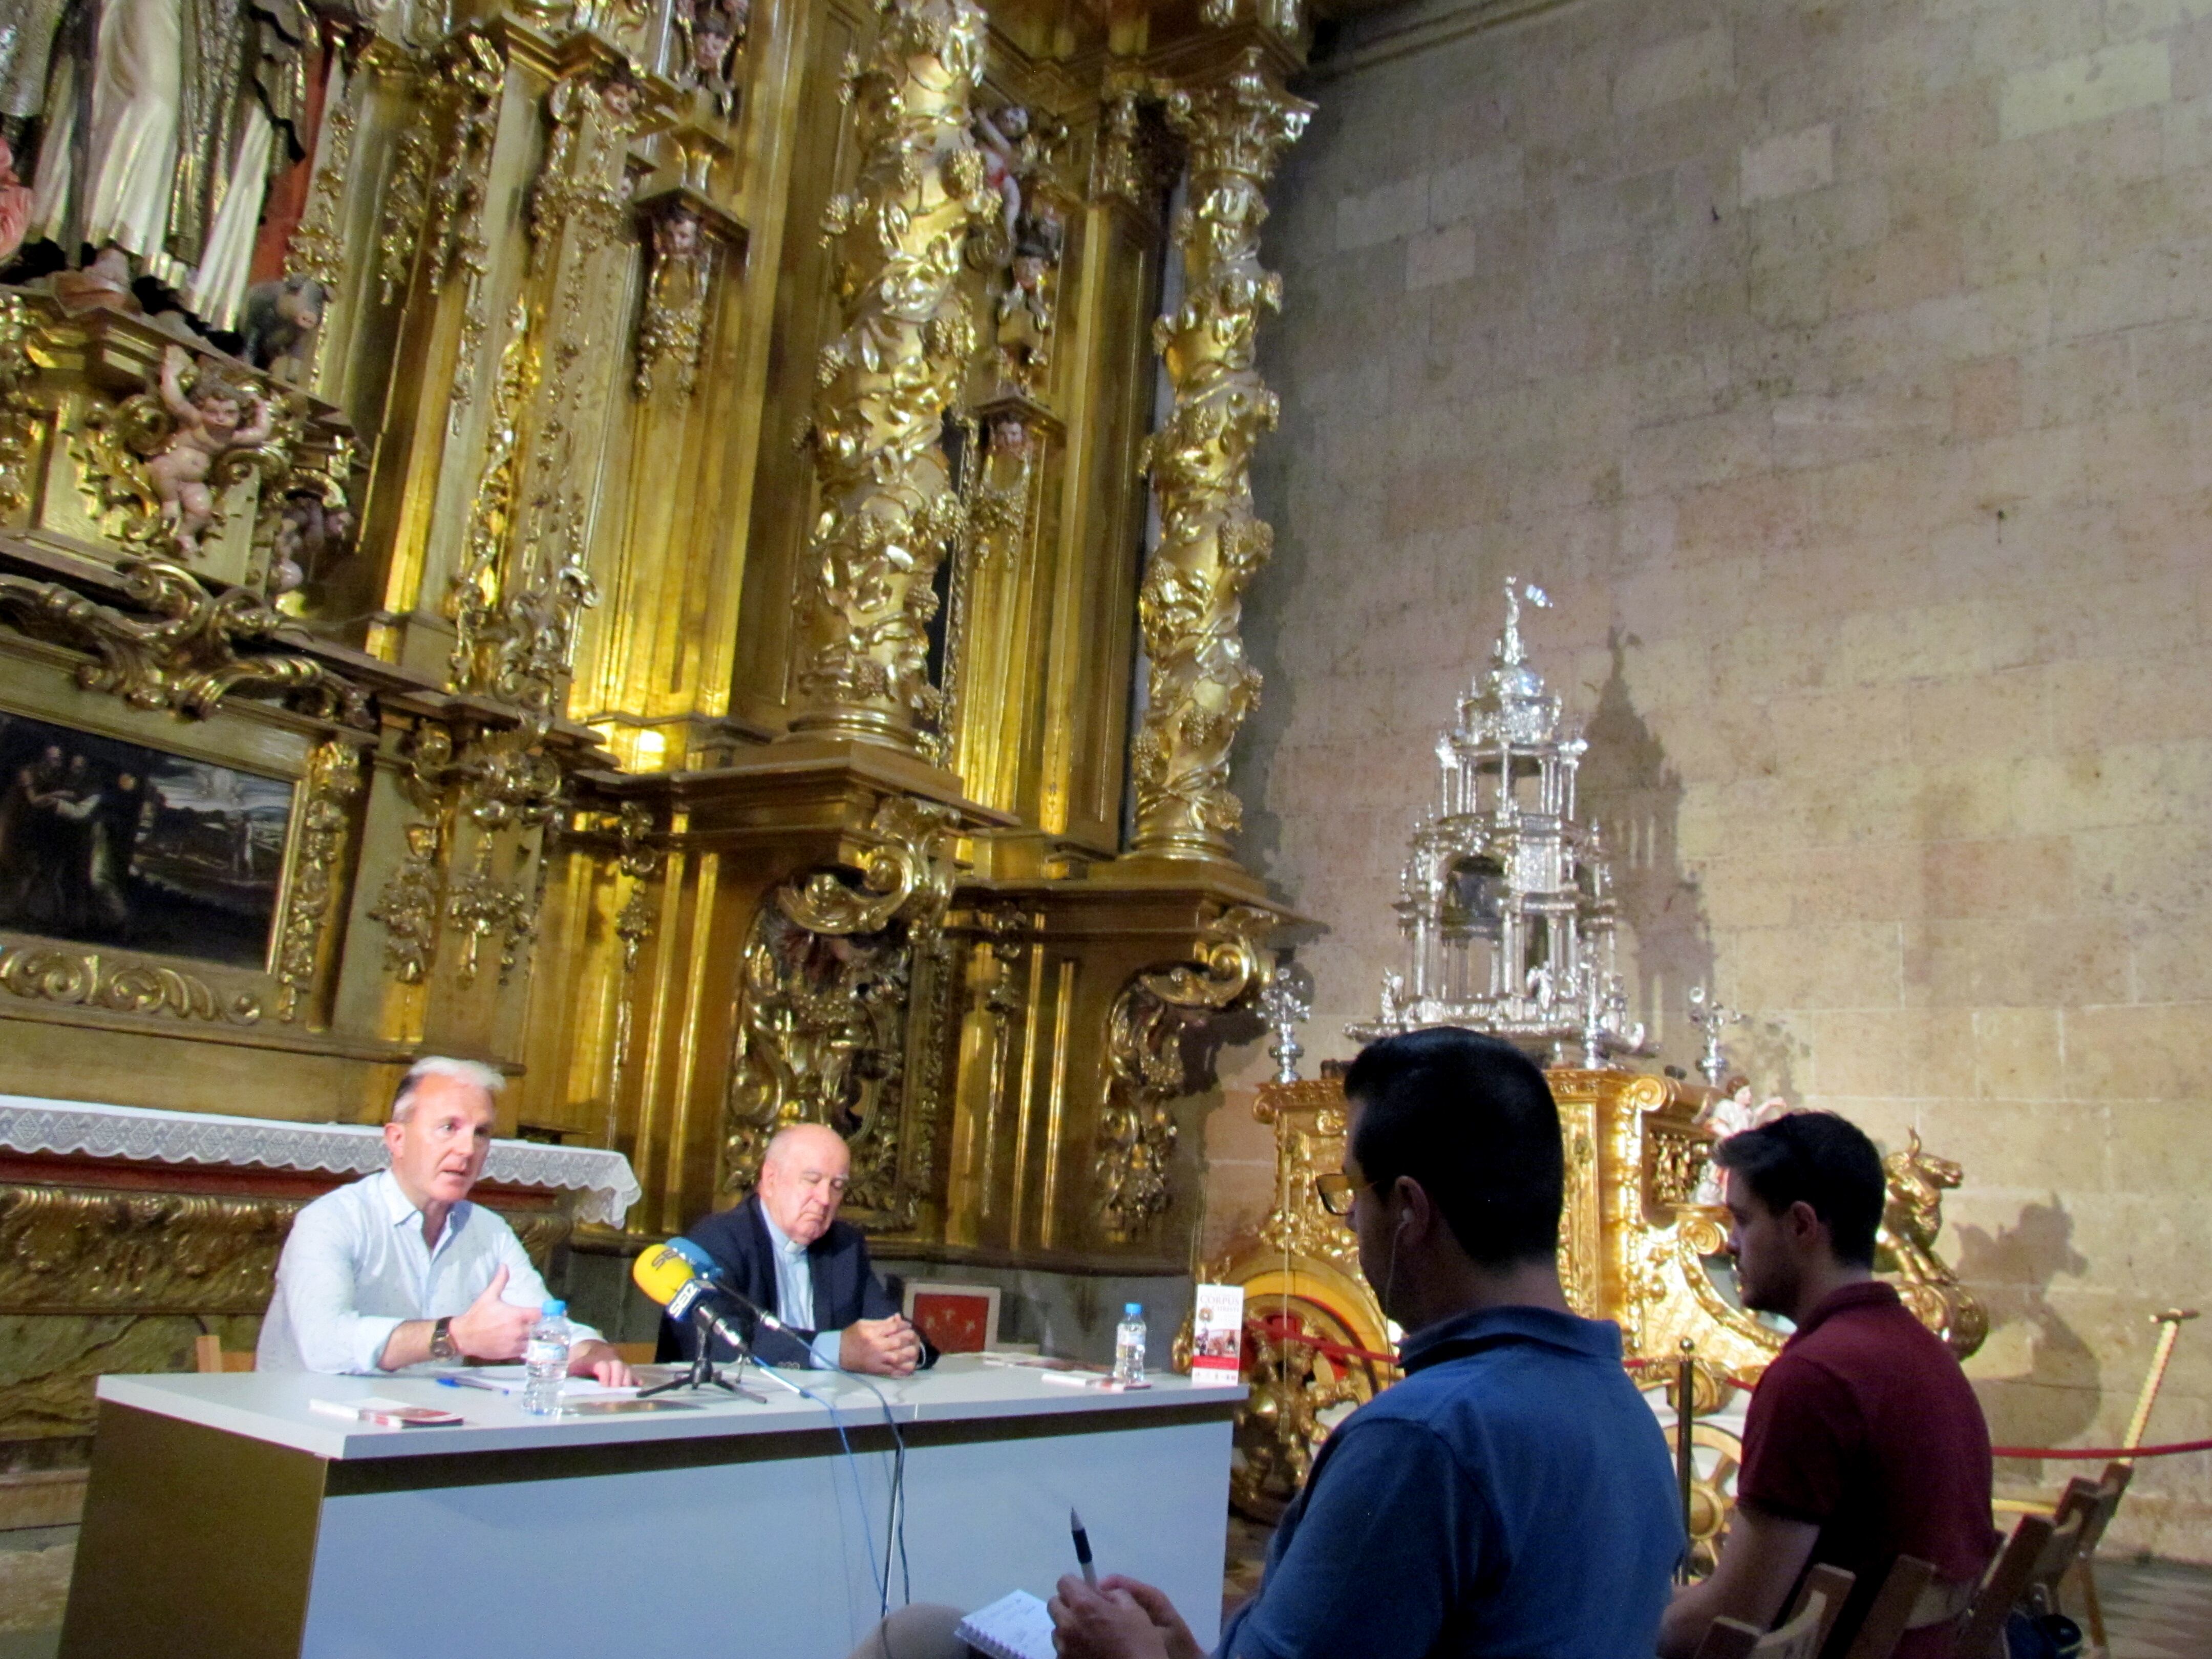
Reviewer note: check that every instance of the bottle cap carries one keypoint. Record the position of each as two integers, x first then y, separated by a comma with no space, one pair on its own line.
554,1309
1133,1310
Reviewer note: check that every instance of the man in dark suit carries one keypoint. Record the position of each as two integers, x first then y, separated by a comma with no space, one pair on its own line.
784,1249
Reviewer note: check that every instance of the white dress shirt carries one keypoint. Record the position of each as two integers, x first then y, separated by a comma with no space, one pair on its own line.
794,1292
356,1268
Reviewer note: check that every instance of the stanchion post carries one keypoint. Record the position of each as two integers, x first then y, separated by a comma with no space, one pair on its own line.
1686,1466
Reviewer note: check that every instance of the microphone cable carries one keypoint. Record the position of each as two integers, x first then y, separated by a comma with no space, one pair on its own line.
895,1518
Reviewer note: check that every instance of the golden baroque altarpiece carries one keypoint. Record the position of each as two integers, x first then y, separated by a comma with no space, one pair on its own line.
645,574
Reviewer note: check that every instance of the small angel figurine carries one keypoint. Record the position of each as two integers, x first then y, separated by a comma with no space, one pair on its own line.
208,429
999,135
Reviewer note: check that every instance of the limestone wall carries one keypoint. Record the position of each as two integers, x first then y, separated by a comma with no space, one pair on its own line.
1843,370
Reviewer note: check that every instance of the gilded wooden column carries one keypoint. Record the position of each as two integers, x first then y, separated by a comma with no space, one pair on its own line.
888,507
1211,542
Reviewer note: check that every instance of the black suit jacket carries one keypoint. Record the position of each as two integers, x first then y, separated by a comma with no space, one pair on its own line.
845,1288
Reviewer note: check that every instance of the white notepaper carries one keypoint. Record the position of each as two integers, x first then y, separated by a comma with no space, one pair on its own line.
1015,1626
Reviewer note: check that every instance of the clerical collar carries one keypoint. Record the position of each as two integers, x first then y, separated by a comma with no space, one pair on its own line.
780,1239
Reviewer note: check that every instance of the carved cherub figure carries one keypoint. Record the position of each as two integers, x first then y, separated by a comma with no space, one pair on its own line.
999,135
209,427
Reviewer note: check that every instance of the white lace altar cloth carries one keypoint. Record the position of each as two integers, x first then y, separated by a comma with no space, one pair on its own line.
29,1125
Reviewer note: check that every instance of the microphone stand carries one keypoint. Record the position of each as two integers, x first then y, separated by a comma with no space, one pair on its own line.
703,1373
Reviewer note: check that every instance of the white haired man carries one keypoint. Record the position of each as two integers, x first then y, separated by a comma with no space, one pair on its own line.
399,1268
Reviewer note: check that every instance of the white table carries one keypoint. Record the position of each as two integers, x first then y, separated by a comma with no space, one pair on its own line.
226,1516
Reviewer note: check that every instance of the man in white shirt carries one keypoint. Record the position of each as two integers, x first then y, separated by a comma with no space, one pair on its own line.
399,1268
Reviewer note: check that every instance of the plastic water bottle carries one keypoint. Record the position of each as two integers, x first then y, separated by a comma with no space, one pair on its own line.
1129,1343
545,1363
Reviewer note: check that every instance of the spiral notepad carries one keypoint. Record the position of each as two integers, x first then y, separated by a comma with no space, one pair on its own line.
1015,1626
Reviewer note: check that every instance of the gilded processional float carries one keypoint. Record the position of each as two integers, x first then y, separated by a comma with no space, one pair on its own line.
1509,919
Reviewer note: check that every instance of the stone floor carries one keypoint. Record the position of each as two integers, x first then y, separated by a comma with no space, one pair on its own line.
2153,1610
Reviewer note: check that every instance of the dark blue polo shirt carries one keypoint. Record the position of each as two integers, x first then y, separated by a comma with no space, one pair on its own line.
1513,1496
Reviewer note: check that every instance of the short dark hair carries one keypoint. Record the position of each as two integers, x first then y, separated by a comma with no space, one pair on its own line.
1820,1159
1471,1118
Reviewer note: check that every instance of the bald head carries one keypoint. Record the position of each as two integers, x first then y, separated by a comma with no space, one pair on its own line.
802,1180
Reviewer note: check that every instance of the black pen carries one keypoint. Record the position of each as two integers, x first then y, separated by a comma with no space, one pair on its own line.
1082,1547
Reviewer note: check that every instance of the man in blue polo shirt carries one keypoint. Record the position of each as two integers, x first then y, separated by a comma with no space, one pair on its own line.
1512,1496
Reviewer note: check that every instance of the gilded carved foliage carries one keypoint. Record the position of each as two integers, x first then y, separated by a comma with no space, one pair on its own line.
1148,1069
334,783
183,651
639,862
523,580
905,870
19,405
435,204
471,867
1211,542
834,966
888,508
91,979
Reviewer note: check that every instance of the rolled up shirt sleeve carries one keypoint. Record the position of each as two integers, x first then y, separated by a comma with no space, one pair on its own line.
316,1278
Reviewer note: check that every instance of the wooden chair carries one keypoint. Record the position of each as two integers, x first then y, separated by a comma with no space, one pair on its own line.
2036,1557
208,1356
1911,1598
2170,1323
1798,1637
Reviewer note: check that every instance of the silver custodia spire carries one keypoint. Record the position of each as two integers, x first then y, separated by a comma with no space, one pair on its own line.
1288,1004
1506,902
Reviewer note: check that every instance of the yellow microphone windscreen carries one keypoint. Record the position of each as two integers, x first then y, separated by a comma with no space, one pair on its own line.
660,1272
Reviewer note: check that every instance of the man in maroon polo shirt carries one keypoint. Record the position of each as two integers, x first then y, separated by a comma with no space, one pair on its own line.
1864,1442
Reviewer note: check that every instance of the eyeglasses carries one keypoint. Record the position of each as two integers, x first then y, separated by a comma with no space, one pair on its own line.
1336,1189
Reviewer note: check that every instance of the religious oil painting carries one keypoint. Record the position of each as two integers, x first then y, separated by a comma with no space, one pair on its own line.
105,842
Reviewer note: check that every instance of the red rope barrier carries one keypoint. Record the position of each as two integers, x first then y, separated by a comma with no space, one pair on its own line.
1280,1331
2106,1453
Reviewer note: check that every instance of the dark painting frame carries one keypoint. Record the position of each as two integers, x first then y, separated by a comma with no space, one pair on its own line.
111,843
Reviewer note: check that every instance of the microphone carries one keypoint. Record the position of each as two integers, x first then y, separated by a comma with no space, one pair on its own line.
711,1270
672,1277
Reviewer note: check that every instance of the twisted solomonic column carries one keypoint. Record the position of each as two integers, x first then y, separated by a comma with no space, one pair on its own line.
1211,544
888,507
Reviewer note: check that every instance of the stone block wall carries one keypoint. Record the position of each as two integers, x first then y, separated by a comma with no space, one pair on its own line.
1844,370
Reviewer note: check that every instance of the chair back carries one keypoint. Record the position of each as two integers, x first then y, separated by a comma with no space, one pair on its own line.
2098,1501
1798,1637
208,1357
1894,1604
2037,1554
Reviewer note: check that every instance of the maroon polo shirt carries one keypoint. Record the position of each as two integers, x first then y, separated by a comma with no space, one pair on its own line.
1864,1425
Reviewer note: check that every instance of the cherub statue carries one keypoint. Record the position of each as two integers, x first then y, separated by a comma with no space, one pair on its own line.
208,429
712,30
999,134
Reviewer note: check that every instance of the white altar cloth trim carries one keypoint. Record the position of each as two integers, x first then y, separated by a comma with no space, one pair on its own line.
30,1125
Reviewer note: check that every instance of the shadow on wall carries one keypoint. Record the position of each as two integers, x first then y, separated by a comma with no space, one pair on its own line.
1631,792
1260,842
2055,1398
